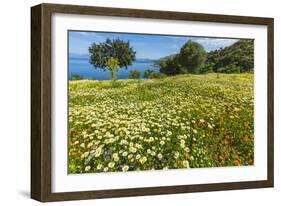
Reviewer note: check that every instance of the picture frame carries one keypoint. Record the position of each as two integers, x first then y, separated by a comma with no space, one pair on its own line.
41,101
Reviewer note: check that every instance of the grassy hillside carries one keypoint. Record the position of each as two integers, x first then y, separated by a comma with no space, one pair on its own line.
240,54
177,122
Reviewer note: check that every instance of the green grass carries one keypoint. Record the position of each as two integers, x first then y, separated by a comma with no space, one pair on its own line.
185,121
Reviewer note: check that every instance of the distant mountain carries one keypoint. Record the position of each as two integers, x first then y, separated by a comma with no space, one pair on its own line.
163,58
145,60
87,56
167,57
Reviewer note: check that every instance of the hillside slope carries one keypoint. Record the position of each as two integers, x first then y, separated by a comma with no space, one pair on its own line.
240,54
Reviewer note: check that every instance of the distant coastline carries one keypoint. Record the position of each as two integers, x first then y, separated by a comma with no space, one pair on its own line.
80,65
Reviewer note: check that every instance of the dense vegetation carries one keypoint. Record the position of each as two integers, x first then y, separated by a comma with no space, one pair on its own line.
185,121
192,58
240,54
134,74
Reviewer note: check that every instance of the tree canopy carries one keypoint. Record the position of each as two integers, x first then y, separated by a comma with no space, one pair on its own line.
170,65
116,48
192,57
240,54
134,74
147,73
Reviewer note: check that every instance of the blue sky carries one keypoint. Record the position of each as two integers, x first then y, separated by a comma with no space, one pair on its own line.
146,46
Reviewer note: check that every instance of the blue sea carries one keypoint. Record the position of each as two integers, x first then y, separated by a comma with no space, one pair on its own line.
82,67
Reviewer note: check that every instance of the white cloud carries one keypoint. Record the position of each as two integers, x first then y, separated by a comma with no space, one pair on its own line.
213,43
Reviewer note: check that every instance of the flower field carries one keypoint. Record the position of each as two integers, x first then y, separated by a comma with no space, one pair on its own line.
185,121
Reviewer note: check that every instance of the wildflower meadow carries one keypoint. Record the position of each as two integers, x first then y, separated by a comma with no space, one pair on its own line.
176,122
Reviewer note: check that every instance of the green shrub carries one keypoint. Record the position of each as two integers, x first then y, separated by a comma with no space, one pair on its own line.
170,65
156,75
229,69
134,74
147,72
207,68
76,77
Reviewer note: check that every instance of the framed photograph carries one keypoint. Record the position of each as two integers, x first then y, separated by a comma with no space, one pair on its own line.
130,102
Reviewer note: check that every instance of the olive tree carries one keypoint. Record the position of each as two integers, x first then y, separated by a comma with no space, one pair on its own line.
117,49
